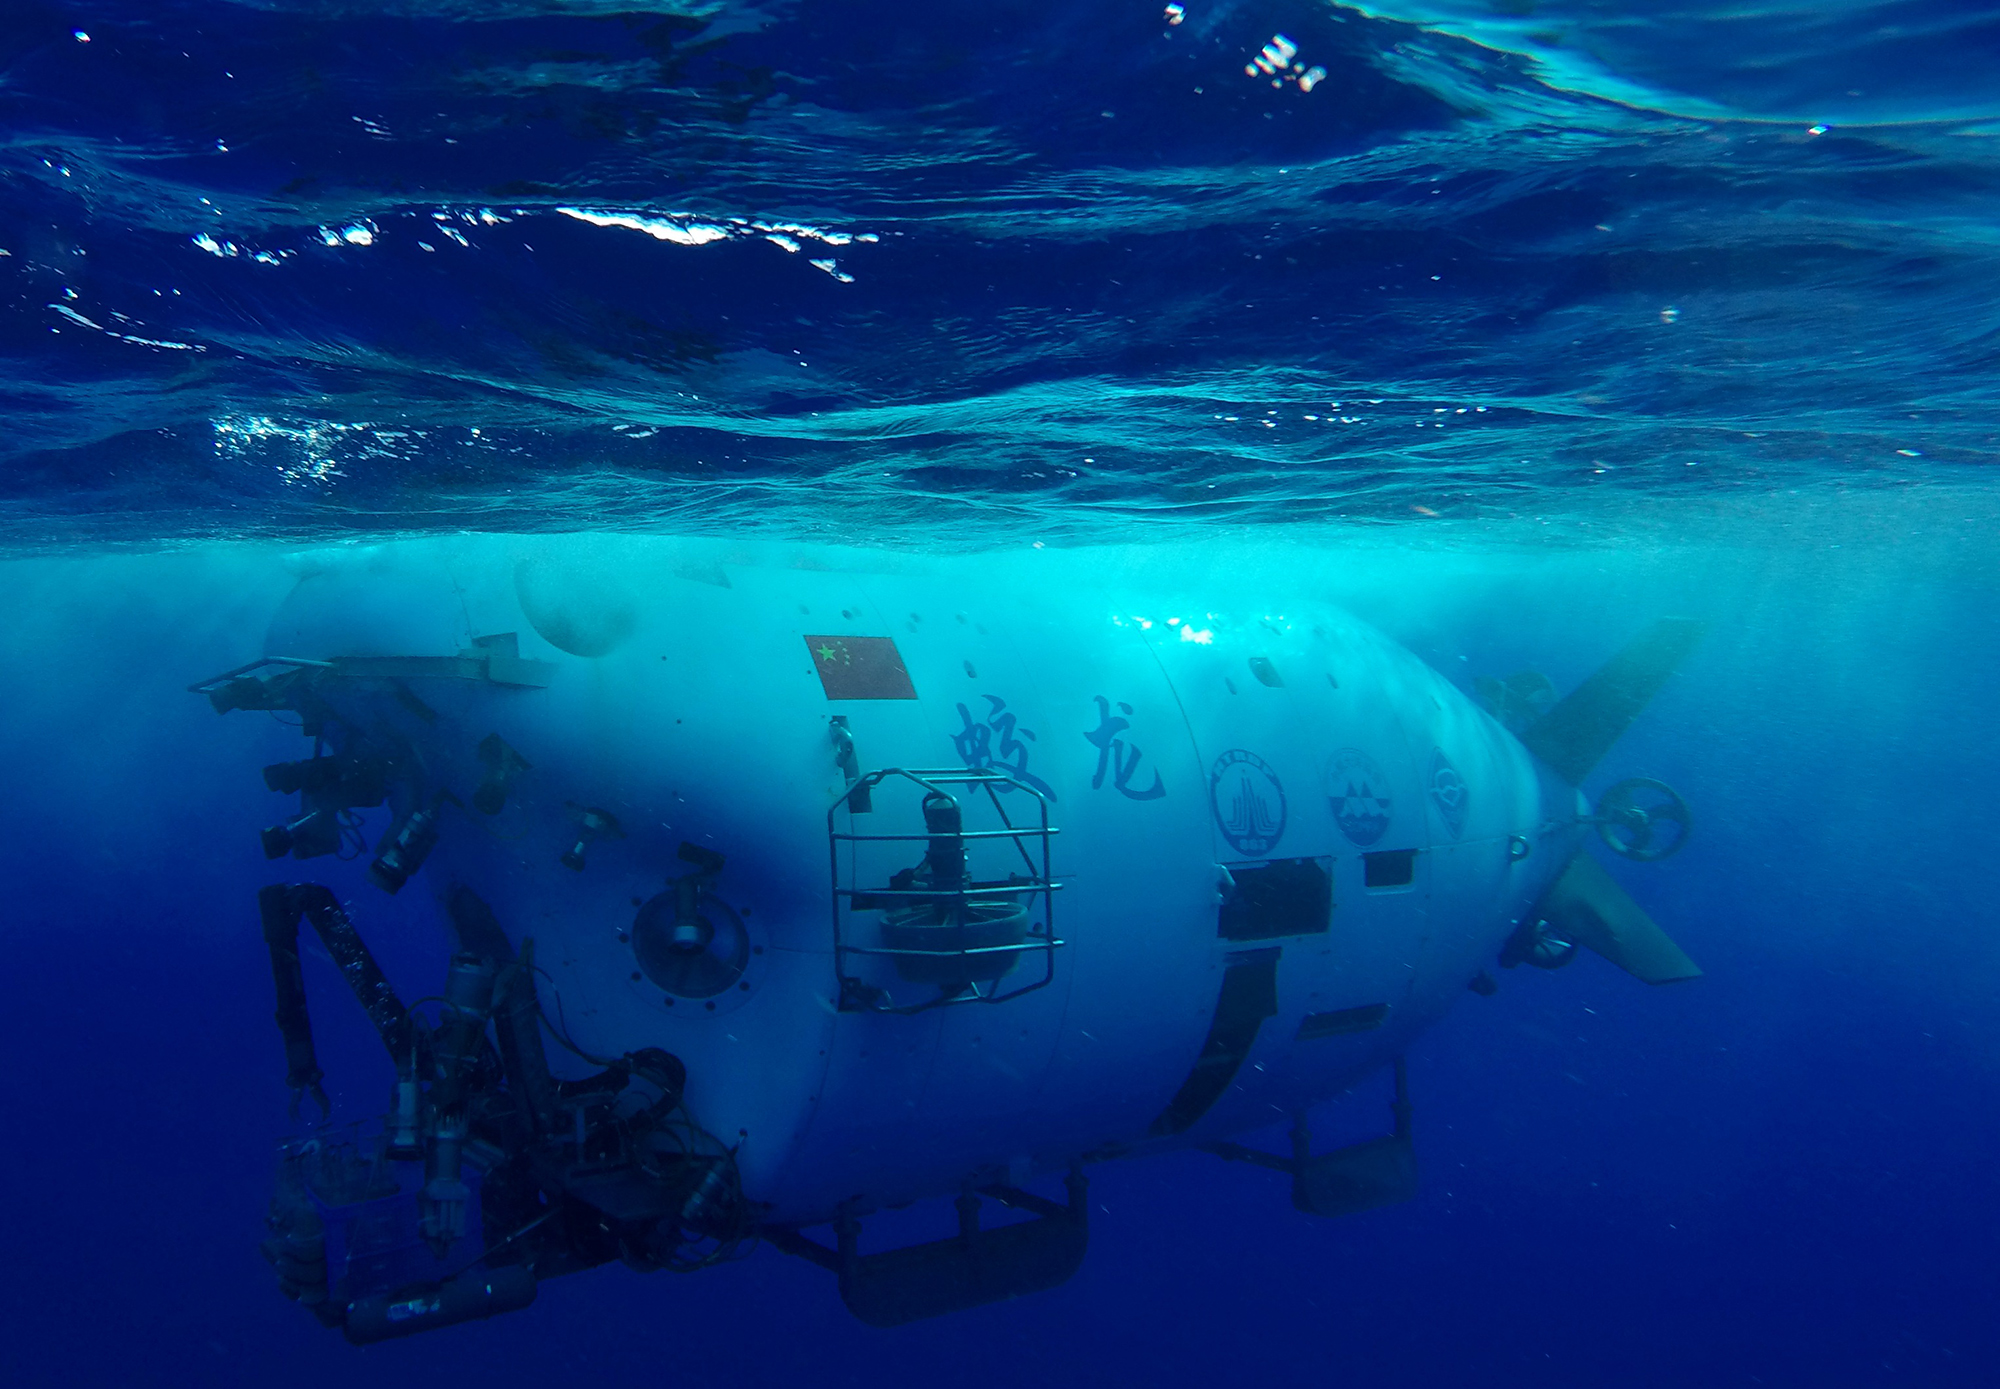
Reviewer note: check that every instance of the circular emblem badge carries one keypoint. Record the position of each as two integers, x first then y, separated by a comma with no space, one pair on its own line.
1448,792
1248,801
1359,794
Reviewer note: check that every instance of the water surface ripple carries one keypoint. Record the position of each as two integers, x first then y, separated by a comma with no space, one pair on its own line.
967,273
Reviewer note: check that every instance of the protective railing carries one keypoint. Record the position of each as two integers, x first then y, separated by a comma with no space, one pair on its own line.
940,926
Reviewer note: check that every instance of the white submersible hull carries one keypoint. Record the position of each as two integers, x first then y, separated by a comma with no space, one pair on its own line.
841,881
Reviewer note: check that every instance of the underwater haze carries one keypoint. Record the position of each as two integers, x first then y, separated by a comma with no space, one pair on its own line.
1509,325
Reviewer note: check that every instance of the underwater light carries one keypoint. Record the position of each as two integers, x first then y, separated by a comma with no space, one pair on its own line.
407,849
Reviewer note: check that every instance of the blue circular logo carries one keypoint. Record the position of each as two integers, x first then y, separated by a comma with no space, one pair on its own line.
1248,801
1359,794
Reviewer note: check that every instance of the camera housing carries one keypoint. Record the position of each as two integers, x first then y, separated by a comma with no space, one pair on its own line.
325,786
312,834
409,845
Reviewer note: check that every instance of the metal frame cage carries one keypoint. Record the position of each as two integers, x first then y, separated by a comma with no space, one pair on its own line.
856,994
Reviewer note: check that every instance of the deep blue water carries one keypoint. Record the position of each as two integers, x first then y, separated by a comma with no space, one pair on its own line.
1526,323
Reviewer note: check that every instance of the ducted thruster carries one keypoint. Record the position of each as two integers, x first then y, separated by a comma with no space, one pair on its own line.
688,941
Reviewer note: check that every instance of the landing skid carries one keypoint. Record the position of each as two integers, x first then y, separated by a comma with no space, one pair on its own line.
1346,1181
969,1270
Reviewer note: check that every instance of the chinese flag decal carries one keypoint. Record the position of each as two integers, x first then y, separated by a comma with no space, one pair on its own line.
860,668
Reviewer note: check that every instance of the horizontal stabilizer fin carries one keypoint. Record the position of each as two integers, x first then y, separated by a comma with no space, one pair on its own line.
1572,736
1587,906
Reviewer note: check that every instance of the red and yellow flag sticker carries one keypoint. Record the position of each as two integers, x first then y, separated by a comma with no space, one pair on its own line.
860,668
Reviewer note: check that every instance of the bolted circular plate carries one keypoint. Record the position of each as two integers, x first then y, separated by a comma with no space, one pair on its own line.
703,969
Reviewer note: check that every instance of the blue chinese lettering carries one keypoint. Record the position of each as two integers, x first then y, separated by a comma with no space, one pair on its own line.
994,743
1117,757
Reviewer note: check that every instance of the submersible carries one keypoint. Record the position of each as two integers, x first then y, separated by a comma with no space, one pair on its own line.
783,889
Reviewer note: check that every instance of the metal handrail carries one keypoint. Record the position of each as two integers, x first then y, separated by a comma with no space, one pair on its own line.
932,894
216,682
1036,944
855,993
1022,833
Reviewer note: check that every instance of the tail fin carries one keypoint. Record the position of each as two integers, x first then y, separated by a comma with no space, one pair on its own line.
1572,736
1587,905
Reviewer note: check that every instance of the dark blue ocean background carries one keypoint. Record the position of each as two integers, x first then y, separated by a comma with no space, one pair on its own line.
1512,324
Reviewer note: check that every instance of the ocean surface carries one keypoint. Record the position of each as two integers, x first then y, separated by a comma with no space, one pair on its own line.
1511,325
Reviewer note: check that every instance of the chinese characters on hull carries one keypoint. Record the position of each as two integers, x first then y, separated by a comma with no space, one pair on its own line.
1117,758
997,742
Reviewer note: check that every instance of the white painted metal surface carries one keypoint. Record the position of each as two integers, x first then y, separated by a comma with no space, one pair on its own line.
1176,735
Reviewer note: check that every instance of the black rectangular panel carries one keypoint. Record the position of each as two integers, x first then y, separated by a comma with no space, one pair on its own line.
1266,673
1286,897
1389,868
1343,1022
